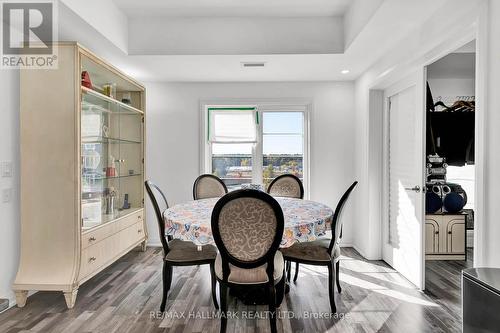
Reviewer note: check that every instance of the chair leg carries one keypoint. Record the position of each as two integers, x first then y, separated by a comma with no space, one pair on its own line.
280,290
272,307
296,272
223,306
331,286
337,276
288,270
167,280
214,285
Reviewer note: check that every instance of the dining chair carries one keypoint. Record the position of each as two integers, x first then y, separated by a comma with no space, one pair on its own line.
322,252
286,185
247,226
208,186
177,252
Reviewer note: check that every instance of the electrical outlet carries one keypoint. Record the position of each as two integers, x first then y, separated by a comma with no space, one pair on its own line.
7,169
7,195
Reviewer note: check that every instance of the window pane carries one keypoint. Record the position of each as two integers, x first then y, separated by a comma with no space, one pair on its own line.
283,144
283,153
232,163
283,122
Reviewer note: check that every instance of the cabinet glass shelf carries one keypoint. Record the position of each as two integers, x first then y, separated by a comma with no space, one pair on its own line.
105,218
102,103
102,140
99,177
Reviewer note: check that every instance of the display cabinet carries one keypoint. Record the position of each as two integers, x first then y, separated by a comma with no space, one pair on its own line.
82,172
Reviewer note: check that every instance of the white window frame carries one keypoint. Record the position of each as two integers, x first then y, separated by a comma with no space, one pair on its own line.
261,106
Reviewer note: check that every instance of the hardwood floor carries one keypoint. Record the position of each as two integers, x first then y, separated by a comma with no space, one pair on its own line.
443,283
126,297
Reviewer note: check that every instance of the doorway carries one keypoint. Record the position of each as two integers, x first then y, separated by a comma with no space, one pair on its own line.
450,171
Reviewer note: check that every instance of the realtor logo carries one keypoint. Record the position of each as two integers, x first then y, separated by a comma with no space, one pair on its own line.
28,33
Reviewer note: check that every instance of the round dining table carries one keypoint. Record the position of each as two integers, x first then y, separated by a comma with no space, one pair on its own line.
305,220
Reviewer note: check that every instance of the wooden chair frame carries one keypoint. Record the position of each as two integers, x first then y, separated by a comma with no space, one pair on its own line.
333,265
267,258
167,264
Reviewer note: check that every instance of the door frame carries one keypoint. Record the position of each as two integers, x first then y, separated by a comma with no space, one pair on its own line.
413,80
479,32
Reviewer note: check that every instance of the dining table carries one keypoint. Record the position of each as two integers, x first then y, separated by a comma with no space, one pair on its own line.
305,221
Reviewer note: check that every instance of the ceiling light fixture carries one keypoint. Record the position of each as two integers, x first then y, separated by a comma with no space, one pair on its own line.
345,71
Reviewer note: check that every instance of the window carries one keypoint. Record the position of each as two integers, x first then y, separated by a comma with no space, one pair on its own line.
255,144
282,145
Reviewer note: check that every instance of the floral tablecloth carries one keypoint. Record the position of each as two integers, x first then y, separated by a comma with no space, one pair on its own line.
304,220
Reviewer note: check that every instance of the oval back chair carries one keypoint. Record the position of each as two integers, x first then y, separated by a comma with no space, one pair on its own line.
208,186
286,185
247,226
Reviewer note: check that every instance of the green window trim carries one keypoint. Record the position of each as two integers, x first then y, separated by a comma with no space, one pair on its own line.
229,109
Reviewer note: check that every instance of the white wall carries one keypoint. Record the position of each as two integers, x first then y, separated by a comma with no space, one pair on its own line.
173,118
9,151
105,17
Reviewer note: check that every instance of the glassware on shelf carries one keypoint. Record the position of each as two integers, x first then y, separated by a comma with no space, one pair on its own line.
91,159
109,90
111,169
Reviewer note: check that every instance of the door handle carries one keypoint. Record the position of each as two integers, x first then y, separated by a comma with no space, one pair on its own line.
415,188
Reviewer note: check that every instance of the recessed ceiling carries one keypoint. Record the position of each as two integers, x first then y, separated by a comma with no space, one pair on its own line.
233,8
299,59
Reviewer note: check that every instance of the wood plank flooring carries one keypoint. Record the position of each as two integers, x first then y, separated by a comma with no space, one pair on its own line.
126,296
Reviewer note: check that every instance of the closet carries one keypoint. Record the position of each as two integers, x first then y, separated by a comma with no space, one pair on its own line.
450,132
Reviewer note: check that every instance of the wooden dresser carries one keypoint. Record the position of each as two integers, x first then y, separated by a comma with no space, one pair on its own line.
82,172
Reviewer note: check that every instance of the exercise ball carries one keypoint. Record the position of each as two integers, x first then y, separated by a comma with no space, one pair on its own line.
433,202
453,202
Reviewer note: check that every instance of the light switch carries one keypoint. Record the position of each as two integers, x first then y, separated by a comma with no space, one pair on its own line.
7,195
7,169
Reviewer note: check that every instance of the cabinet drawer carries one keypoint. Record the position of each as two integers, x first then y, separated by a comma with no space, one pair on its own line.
96,235
96,256
130,236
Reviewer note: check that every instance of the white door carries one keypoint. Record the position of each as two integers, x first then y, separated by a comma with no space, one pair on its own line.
404,239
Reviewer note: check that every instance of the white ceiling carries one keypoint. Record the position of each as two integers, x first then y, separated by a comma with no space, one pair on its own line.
376,26
233,8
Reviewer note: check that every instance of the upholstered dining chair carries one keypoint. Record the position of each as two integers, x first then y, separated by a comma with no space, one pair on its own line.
286,185
322,252
177,252
208,186
247,226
